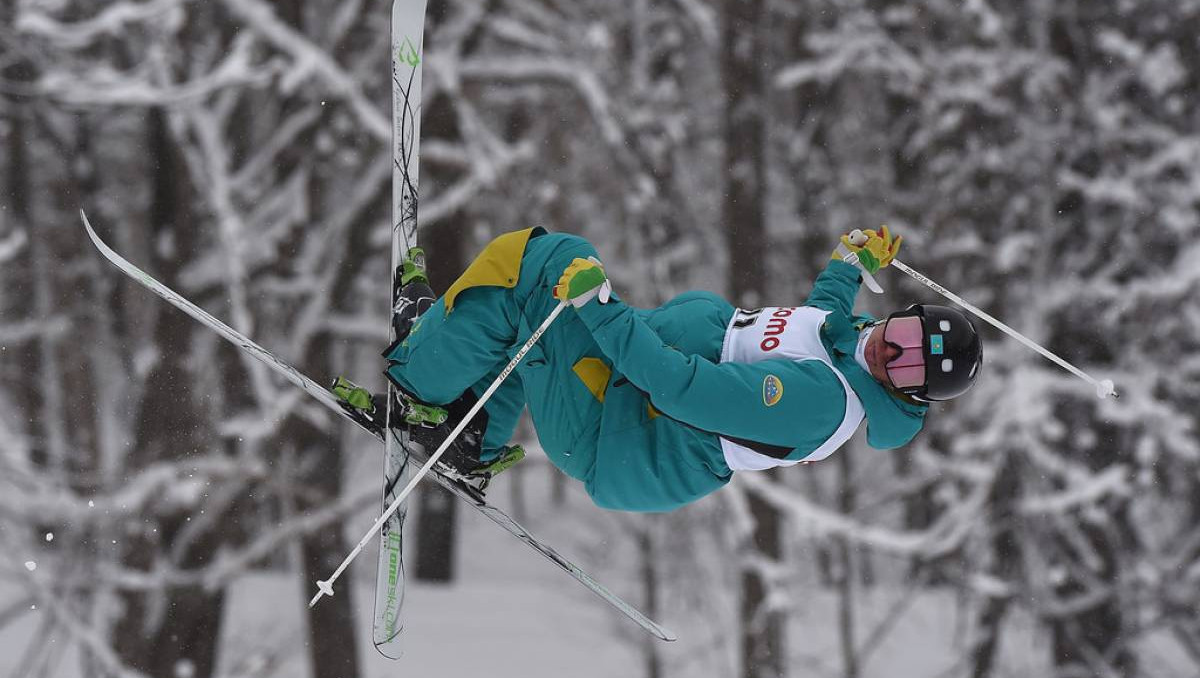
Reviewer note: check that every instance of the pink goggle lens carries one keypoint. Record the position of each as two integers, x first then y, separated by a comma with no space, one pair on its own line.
907,377
907,332
907,369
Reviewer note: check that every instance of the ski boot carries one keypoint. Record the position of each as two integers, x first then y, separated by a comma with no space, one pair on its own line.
464,460
371,409
412,294
429,426
466,463
359,404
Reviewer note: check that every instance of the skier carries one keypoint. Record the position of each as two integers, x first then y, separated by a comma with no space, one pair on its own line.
653,409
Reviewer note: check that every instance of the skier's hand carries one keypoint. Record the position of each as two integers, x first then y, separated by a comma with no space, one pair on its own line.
582,281
875,252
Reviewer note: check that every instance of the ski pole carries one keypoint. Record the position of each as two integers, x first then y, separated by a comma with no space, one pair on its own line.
1104,387
325,588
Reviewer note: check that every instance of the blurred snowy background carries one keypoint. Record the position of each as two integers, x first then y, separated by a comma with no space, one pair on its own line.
166,505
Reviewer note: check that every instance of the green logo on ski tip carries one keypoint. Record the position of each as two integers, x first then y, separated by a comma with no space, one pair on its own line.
408,53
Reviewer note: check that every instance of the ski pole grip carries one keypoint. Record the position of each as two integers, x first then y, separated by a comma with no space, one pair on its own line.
852,259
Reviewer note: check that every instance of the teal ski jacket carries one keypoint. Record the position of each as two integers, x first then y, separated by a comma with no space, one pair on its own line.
634,402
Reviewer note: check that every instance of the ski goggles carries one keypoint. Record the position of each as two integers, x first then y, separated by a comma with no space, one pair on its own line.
906,334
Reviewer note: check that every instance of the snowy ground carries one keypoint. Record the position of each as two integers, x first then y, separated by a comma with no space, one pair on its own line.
525,618
510,613
517,615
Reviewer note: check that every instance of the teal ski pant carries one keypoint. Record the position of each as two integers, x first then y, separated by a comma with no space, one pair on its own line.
467,348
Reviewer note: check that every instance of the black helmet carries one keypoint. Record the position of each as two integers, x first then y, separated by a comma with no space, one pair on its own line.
952,350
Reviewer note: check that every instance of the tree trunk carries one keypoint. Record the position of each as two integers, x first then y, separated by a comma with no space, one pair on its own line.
437,509
332,639
1006,563
650,589
333,644
744,209
21,275
159,634
1097,638
845,573
744,214
762,627
332,625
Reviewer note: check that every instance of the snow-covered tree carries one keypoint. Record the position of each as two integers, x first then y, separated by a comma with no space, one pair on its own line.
1040,158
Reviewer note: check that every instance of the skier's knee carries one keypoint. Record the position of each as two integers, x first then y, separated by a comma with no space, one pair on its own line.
432,391
427,389
413,300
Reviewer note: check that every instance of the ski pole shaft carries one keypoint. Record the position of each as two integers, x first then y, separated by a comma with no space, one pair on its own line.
1104,387
325,588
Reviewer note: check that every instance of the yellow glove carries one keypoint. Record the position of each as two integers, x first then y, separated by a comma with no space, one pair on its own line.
875,250
582,281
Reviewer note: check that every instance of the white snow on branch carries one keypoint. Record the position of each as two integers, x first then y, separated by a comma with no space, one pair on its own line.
105,86
26,499
861,46
940,538
522,34
356,327
85,634
215,176
111,21
230,564
583,80
316,256
1113,481
28,330
454,197
266,155
311,59
348,13
261,424
704,17
12,244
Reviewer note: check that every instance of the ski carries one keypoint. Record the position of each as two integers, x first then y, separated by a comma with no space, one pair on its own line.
407,36
326,397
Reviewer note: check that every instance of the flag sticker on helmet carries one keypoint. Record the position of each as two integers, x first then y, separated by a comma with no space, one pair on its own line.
950,352
772,390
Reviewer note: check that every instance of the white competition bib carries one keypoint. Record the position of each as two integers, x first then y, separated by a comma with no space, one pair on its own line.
791,333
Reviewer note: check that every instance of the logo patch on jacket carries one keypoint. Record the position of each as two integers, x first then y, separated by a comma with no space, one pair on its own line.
772,390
